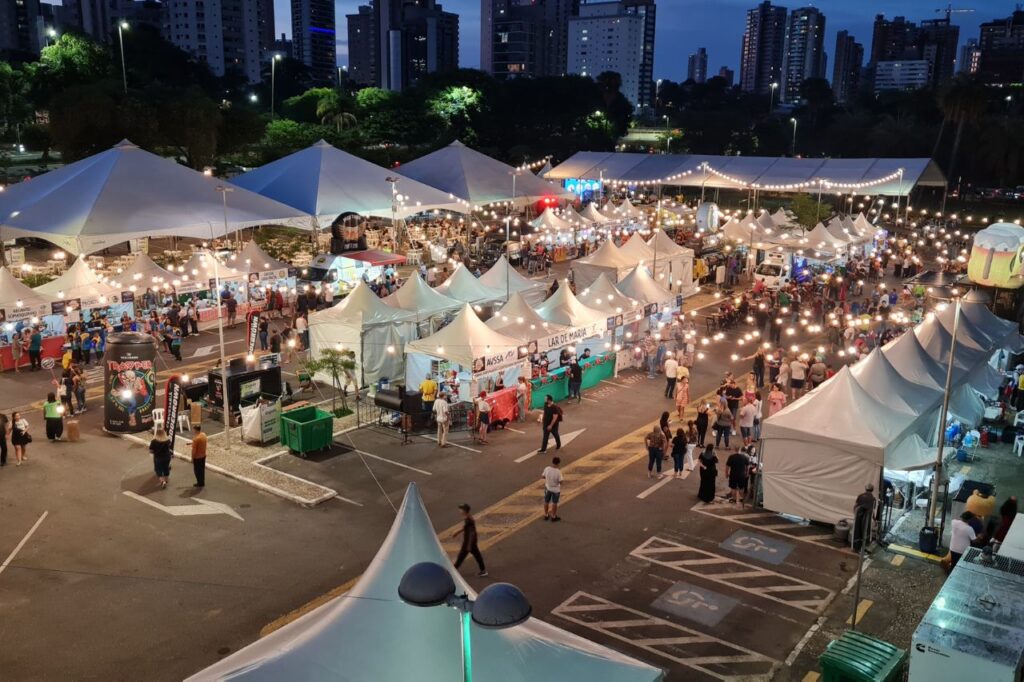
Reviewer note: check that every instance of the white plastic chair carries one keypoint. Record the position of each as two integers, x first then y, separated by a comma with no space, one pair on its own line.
1019,418
1018,445
184,423
158,418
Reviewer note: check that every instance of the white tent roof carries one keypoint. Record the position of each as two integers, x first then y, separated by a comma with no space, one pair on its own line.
666,246
864,225
837,229
995,327
254,259
641,286
602,295
574,217
565,309
551,221
342,639
765,221
20,301
325,182
464,287
591,212
609,256
200,268
500,276
637,250
628,210
416,296
79,281
781,218
143,273
820,238
477,178
937,342
517,319
124,193
361,308
884,383
464,340
912,361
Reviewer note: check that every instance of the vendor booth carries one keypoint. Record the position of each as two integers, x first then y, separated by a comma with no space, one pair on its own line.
374,331
142,275
341,272
641,287
465,288
503,277
467,357
607,259
200,274
429,306
263,273
673,264
81,295
246,383
21,310
591,213
604,296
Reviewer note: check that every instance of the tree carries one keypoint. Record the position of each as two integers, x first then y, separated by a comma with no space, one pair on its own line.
338,364
303,108
72,60
188,122
15,106
1001,147
282,137
37,138
334,107
963,103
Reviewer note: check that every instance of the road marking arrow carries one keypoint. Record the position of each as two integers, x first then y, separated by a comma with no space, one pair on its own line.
203,507
566,439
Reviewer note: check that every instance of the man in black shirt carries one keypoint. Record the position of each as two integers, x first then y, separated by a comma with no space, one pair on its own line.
737,465
469,541
575,380
552,418
733,393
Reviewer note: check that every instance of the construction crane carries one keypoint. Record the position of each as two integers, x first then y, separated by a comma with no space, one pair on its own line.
950,10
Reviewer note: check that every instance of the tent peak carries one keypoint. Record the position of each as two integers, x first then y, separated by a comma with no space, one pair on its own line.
126,144
457,143
321,143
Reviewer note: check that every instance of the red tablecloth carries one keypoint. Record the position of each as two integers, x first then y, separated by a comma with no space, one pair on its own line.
51,349
504,405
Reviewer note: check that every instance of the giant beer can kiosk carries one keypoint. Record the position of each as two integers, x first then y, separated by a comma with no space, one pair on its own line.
129,382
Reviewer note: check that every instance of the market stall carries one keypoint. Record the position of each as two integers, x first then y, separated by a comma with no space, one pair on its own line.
607,259
465,288
143,275
555,383
673,264
263,273
604,296
505,278
429,306
641,287
21,309
591,213
200,274
81,295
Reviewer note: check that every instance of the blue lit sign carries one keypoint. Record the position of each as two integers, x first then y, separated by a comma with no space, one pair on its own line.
581,186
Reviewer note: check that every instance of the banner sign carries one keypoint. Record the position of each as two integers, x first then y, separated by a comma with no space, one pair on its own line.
172,401
252,324
127,297
570,336
24,312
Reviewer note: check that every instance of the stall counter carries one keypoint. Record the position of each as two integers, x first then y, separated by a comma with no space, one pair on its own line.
556,383
504,404
52,348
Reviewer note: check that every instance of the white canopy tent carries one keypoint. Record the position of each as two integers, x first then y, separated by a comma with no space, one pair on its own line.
821,239
143,273
80,282
637,250
607,259
673,263
19,301
864,225
505,278
518,320
565,309
549,220
640,286
325,182
125,193
604,296
364,324
202,269
781,218
477,178
252,259
343,639
464,287
591,212
417,297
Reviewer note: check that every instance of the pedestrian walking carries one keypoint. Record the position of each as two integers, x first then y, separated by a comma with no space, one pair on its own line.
550,422
523,397
264,333
679,446
53,415
655,442
758,368
708,465
671,376
442,415
275,342
552,476
797,376
776,399
701,423
748,413
35,349
483,417
199,455
723,427
160,447
5,431
20,437
17,346
575,380
469,541
738,466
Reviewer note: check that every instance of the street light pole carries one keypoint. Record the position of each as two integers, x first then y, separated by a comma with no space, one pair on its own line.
771,98
793,150
121,28
273,83
508,237
224,190
394,207
941,438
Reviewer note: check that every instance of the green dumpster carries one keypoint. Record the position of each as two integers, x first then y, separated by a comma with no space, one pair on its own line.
306,429
856,657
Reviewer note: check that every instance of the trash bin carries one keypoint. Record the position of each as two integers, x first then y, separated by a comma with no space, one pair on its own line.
305,429
856,657
841,533
928,540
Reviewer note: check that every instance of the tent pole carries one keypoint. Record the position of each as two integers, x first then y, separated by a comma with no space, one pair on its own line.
941,438
945,192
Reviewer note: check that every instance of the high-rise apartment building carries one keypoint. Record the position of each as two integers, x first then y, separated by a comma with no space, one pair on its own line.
938,40
848,61
265,21
902,74
763,48
934,41
697,66
526,38
616,36
1001,46
970,57
728,75
394,43
804,52
21,28
313,38
223,33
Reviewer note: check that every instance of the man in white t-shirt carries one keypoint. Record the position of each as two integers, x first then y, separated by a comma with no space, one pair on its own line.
747,414
671,369
961,537
443,418
301,328
552,489
797,377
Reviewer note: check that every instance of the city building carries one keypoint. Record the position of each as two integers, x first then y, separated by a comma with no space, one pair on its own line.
804,53
848,61
970,57
282,46
526,38
21,28
763,48
394,43
728,75
223,33
616,36
905,74
697,66
314,39
265,22
934,41
1001,46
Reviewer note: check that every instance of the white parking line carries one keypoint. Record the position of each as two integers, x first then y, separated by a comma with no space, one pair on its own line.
605,381
454,445
391,461
660,484
509,428
14,552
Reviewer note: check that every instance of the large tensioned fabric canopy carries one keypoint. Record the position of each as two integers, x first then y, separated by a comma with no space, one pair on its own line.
325,182
477,178
125,193
891,177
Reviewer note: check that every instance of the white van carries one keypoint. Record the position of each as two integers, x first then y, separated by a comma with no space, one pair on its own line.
775,270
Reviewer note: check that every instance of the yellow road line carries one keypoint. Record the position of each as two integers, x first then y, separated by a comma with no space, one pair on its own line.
516,508
812,676
897,560
862,608
965,470
910,551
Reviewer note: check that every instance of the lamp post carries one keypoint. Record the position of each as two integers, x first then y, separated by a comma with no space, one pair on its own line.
793,150
273,83
668,136
224,191
508,234
497,607
51,34
122,26
394,206
771,98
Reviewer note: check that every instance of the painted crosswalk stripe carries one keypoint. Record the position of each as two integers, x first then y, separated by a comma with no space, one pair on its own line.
740,575
796,531
692,649
657,486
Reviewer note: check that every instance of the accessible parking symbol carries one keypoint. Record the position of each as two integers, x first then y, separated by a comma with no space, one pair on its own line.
756,546
695,603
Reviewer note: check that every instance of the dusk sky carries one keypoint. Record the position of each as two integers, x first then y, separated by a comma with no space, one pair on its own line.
684,25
